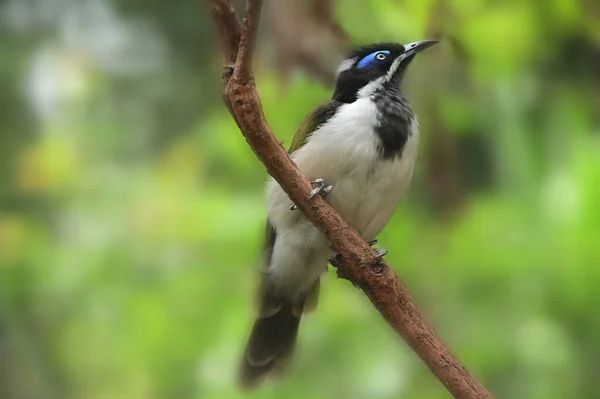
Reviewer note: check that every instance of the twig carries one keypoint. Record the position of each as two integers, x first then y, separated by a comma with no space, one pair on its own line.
357,261
229,26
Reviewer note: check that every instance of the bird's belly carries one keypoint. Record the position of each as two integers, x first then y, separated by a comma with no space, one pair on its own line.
368,197
366,191
366,187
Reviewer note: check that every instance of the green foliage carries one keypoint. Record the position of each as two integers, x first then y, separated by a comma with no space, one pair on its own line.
128,272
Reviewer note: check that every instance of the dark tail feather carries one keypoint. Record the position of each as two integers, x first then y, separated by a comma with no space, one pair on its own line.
273,337
270,346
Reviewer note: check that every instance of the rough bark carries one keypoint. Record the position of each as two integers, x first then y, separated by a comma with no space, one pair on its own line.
357,261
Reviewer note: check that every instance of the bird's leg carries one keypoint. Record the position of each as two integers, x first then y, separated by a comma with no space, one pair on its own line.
319,187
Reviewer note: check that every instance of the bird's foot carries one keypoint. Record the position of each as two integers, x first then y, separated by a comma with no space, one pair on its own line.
319,187
381,252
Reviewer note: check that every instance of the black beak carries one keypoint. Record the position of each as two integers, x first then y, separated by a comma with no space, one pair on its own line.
401,62
416,47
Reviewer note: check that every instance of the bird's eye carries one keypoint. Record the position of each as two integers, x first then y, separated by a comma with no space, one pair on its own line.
373,59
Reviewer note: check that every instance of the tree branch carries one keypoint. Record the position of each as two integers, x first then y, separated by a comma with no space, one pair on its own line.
357,261
229,26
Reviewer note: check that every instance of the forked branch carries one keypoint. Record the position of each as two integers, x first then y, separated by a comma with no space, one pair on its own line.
357,262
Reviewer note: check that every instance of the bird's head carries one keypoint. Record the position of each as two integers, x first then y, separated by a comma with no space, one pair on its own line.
371,68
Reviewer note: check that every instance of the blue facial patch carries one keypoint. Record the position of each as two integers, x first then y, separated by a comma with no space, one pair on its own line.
372,59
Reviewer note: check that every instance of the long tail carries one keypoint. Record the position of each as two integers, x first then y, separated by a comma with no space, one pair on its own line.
273,337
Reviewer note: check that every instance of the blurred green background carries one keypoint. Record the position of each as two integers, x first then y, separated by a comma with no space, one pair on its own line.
132,210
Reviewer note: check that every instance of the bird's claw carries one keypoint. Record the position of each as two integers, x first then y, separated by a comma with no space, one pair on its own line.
381,252
319,187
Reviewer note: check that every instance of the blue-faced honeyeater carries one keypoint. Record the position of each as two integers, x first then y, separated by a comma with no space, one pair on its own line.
359,150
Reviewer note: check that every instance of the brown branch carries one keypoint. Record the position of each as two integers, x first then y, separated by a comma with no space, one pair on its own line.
243,68
357,261
229,26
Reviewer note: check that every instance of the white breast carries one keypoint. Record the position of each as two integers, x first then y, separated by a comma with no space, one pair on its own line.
366,188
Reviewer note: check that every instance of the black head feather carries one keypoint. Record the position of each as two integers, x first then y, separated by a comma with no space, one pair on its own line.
384,64
353,76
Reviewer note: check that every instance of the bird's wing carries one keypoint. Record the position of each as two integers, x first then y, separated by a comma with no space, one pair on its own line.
278,315
311,123
315,119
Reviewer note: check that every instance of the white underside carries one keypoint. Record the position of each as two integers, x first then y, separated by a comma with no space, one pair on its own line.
366,191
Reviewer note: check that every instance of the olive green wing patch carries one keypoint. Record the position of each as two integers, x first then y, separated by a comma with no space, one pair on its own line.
312,122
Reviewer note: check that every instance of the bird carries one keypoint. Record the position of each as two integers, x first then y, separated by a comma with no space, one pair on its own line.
358,149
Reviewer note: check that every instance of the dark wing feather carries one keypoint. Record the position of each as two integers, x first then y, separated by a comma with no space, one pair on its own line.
273,336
